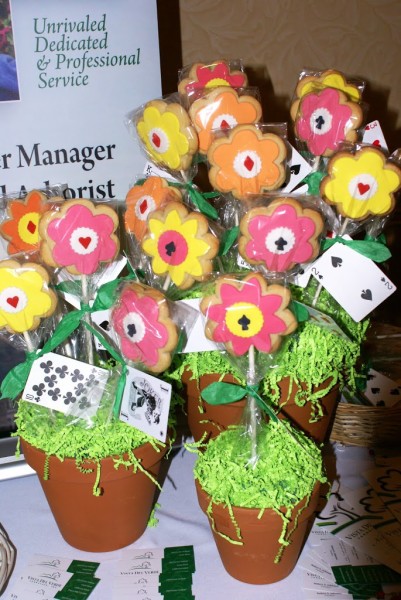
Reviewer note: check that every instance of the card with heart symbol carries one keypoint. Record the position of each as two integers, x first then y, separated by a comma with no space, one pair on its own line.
353,280
373,134
66,385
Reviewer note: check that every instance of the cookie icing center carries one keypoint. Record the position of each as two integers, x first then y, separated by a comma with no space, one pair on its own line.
84,240
363,186
13,300
247,164
134,327
244,319
173,248
158,140
321,121
280,240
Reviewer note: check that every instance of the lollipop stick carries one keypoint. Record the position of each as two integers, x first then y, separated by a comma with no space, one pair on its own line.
28,341
252,405
166,283
88,335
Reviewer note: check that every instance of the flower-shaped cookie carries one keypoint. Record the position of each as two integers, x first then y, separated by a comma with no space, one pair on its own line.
247,161
180,244
361,184
281,235
167,134
80,236
248,312
329,78
144,198
22,229
324,119
25,297
145,330
222,108
212,75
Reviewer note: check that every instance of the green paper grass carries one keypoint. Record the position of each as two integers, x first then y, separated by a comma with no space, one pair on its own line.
283,475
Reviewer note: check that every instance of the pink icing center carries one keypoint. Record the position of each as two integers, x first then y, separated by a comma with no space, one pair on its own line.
173,248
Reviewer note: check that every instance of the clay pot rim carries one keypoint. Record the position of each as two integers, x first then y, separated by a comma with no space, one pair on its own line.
239,511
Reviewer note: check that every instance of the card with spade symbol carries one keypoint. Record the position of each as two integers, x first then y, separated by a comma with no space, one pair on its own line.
381,390
355,281
299,168
66,385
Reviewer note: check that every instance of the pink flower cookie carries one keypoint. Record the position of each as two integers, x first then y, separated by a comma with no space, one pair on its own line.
146,333
248,312
210,76
80,236
281,235
324,119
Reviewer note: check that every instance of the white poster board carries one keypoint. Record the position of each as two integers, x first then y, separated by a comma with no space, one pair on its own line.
82,65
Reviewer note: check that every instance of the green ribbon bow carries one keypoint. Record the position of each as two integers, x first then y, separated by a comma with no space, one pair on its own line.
313,182
372,248
199,198
221,392
15,380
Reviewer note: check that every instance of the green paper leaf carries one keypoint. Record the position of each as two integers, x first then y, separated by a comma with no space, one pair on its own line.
220,392
370,248
229,238
300,311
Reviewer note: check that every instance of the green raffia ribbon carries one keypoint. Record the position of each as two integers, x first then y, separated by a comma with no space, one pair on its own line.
199,199
313,182
228,239
15,380
372,248
221,392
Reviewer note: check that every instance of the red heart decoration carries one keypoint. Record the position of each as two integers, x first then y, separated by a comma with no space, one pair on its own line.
13,301
156,140
31,227
376,143
363,188
84,241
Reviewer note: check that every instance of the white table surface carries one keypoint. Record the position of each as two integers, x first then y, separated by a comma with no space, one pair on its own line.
25,515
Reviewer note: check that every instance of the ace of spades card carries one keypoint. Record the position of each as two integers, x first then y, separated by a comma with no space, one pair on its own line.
353,280
66,385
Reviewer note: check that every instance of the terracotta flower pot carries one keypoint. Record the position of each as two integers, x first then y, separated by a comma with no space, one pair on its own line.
102,523
254,560
319,431
206,419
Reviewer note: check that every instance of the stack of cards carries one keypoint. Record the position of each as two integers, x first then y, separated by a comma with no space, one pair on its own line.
49,577
356,540
156,574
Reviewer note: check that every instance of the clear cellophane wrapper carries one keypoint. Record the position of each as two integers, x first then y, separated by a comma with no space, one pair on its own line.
195,77
20,213
147,328
280,233
164,132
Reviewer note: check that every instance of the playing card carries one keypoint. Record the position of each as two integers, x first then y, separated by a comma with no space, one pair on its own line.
381,390
66,385
373,134
299,168
325,321
355,281
146,403
197,341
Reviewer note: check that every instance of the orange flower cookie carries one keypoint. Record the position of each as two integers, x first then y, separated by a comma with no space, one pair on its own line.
212,75
180,244
329,78
80,236
361,184
168,135
142,199
222,108
247,161
22,228
25,297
